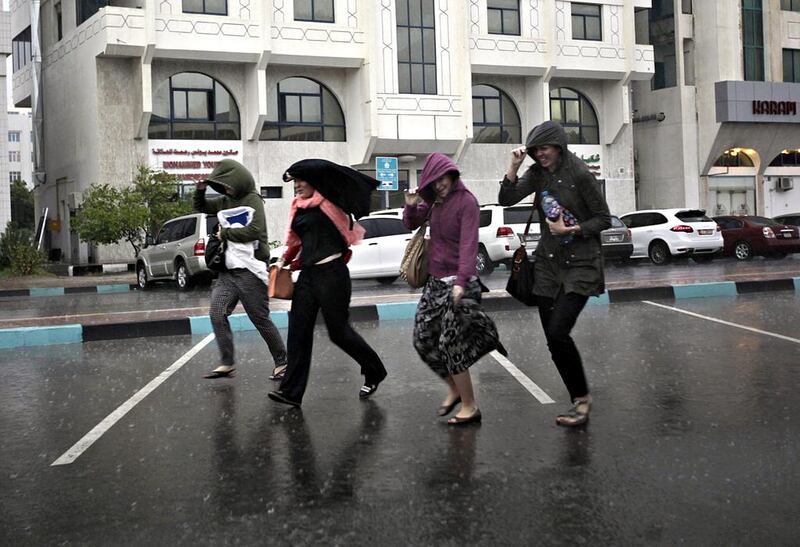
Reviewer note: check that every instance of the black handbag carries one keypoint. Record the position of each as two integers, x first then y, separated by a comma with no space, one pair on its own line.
215,254
520,282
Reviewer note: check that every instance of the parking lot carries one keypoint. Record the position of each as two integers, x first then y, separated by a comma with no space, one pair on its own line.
693,439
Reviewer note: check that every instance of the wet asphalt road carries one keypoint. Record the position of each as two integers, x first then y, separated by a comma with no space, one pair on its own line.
165,301
694,439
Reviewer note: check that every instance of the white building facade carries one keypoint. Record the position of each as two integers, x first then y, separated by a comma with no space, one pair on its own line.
718,127
180,84
5,185
20,147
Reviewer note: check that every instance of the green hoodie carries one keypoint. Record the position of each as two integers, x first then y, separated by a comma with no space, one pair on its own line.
235,182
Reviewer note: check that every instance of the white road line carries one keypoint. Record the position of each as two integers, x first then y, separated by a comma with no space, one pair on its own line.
526,382
728,323
80,447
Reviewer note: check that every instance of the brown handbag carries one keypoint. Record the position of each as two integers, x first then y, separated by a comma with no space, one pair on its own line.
280,283
414,266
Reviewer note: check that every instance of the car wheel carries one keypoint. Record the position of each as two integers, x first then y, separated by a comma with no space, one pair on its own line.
484,263
387,280
141,277
703,258
742,251
659,253
183,277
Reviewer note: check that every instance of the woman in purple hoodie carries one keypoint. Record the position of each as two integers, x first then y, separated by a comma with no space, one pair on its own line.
453,280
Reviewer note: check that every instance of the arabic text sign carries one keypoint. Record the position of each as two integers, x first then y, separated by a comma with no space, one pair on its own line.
386,173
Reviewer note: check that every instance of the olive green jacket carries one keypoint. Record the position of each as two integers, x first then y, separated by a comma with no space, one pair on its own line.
234,178
577,266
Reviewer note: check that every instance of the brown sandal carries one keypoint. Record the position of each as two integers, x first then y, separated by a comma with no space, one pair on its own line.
575,417
278,373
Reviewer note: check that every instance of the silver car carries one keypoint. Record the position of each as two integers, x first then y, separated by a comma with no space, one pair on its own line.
177,253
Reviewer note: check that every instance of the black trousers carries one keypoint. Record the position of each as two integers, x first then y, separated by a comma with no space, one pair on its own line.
558,316
327,287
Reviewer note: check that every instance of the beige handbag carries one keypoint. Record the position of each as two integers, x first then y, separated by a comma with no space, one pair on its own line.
414,266
280,283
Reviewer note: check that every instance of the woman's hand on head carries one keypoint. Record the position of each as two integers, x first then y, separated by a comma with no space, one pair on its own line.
518,156
412,197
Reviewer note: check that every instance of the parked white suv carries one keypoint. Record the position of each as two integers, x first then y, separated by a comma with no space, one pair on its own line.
500,232
661,234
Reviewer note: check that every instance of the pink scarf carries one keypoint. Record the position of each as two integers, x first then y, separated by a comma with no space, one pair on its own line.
339,218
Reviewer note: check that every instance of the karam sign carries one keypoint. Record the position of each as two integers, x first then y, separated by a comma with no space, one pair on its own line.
775,108
191,160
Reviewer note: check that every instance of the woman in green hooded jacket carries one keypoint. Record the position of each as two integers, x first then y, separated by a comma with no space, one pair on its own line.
569,262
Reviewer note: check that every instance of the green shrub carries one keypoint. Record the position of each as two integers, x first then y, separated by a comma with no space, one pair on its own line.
14,235
26,260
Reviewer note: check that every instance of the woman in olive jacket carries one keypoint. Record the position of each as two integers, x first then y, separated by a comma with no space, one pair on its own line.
569,263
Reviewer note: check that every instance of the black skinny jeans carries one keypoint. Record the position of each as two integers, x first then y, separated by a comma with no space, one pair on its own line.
558,316
327,287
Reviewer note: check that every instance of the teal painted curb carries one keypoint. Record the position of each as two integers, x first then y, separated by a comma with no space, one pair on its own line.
40,336
105,289
701,290
47,291
601,300
796,284
396,310
239,322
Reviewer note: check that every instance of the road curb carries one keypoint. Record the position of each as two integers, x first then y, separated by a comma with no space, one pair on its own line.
391,311
61,291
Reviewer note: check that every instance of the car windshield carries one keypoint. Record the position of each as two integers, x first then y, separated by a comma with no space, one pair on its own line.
762,221
616,223
695,215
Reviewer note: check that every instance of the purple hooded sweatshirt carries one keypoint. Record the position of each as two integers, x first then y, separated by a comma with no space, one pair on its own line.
454,222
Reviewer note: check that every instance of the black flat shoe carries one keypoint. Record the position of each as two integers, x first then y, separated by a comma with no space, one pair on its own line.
367,390
219,374
444,410
474,419
281,398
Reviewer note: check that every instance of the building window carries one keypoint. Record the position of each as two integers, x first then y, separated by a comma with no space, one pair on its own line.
791,65
207,7
87,8
686,6
576,115
21,52
494,116
733,158
318,11
191,105
416,47
59,22
272,192
14,156
661,30
787,158
14,176
790,5
307,111
753,40
586,22
503,16
13,136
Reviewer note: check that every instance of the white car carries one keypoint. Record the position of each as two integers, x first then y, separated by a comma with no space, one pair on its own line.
660,234
500,231
379,254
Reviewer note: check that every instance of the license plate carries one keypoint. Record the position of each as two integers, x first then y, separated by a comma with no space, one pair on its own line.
614,239
530,238
787,235
706,232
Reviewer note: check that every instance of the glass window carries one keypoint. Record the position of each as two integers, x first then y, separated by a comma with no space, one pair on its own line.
21,53
13,136
694,215
686,6
306,111
191,105
211,224
791,65
495,118
574,112
485,218
519,215
86,8
167,233
319,11
392,227
790,5
586,22
14,176
661,34
59,22
207,7
753,40
616,223
272,192
733,158
787,158
416,47
503,16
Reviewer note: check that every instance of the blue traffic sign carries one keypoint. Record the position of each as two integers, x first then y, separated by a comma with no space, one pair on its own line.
386,170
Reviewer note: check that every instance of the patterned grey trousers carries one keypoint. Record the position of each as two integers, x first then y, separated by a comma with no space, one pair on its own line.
242,285
428,326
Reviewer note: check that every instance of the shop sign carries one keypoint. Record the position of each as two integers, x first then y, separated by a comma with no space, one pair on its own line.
775,108
590,154
191,160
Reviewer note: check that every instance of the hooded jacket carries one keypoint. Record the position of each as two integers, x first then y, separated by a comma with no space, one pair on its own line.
236,178
576,267
453,224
